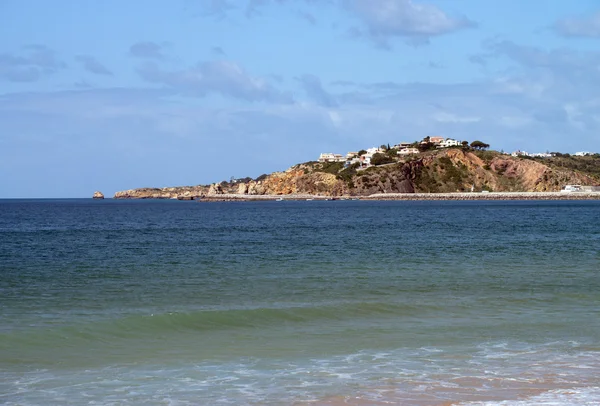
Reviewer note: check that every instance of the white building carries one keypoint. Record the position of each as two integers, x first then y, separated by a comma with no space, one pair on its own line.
352,161
449,142
408,151
365,159
583,153
330,157
402,145
373,151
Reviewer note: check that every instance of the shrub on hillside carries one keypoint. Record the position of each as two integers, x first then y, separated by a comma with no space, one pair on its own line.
380,159
331,167
348,173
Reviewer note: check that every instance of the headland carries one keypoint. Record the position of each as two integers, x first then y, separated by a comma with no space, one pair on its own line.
418,171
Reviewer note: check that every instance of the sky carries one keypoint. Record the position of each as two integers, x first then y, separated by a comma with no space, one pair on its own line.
112,95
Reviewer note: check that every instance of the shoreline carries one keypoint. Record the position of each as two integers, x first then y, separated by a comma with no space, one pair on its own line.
411,196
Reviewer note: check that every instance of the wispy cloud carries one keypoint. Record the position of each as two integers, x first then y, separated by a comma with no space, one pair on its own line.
222,77
147,50
218,51
29,65
435,65
313,88
582,26
478,59
309,17
92,65
216,8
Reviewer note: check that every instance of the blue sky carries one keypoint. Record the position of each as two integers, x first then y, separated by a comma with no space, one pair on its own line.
111,95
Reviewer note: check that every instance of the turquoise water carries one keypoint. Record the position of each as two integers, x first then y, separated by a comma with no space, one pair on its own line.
281,303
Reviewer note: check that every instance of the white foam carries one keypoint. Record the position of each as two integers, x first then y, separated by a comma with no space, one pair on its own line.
394,374
589,396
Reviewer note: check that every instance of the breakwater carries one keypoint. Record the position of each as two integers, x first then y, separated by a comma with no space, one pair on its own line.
414,196
486,196
245,198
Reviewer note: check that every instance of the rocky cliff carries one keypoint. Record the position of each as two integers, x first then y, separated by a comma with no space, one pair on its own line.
455,170
442,171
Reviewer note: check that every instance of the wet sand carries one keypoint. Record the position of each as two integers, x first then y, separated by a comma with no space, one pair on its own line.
469,391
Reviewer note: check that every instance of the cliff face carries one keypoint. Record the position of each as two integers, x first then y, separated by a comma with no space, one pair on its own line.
450,170
456,170
532,176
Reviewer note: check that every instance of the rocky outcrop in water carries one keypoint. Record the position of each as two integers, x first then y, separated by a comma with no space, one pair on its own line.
98,195
162,193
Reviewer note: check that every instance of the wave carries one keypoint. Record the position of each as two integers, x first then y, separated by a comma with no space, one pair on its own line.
207,320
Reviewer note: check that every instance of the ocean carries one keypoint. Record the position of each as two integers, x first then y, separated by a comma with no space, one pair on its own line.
299,303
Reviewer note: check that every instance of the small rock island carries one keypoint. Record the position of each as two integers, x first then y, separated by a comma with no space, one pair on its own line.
98,195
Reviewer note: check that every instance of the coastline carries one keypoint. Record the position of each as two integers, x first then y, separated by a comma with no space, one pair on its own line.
411,196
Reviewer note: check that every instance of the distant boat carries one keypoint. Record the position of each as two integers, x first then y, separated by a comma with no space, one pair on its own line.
308,200
279,199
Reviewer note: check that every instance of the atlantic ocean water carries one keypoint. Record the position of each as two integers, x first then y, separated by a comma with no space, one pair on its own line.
299,303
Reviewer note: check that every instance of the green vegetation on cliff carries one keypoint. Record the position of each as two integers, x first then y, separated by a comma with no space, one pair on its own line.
462,169
588,165
442,176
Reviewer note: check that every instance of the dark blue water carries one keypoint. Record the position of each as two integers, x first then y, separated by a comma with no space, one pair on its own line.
160,302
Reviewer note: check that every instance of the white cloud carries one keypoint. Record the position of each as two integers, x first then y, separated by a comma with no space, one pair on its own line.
418,22
381,20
